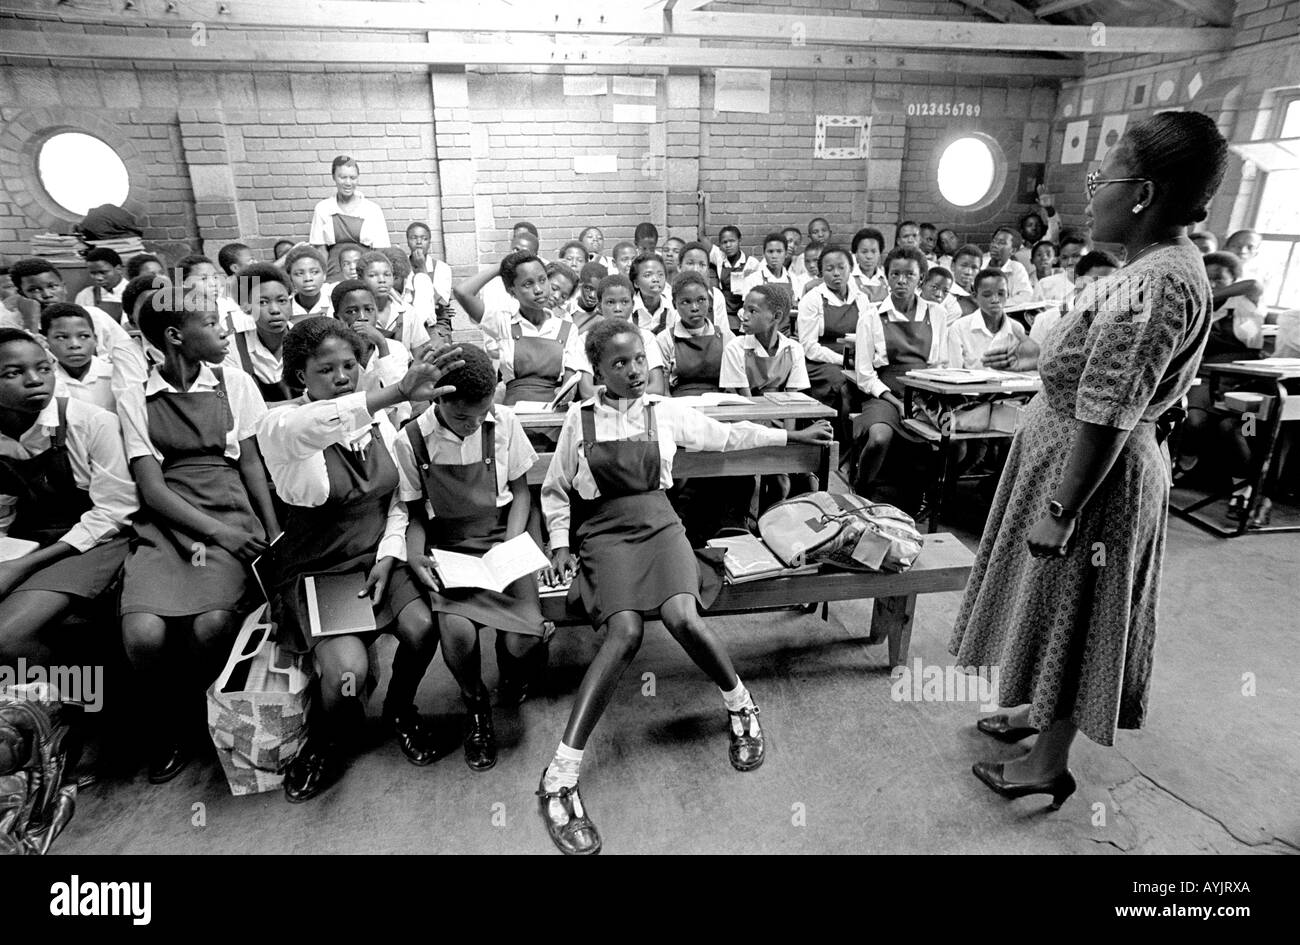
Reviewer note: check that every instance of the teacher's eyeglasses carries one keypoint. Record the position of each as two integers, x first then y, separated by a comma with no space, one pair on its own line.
1095,182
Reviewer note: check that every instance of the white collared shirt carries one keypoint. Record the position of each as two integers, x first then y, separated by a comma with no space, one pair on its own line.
1019,288
414,331
575,352
969,337
744,267
246,405
114,345
268,365
293,438
666,341
677,425
323,306
1057,287
648,319
95,387
374,228
98,464
514,455
86,297
733,361
549,329
864,282
871,351
812,320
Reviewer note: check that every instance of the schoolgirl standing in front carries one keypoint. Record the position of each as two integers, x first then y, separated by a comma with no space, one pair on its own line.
828,321
901,333
330,454
611,524
64,484
653,302
464,476
867,247
189,437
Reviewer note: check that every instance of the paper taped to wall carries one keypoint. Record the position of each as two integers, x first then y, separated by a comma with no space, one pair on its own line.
585,85
743,90
635,85
595,164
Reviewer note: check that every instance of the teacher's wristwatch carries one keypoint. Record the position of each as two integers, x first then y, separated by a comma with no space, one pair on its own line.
1057,510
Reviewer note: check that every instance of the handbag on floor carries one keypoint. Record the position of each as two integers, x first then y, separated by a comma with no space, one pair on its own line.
840,529
258,707
38,796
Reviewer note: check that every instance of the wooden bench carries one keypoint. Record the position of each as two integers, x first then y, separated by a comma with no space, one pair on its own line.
944,565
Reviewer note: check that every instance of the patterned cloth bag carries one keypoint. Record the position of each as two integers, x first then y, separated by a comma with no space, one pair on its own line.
840,529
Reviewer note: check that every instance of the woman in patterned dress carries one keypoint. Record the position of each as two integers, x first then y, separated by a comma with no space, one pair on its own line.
1063,594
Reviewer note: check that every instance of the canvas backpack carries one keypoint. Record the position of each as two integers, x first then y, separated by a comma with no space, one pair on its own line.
843,530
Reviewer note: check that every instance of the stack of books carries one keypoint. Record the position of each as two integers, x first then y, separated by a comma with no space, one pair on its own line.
56,248
124,246
747,558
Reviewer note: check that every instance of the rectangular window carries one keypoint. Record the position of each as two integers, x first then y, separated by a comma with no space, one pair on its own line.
1277,218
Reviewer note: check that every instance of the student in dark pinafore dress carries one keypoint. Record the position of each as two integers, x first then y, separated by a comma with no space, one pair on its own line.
1063,594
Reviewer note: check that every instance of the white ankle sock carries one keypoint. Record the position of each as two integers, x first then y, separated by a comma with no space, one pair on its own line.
563,770
737,698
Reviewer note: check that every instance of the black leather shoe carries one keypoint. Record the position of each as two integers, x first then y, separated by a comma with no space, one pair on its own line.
999,727
480,738
316,768
519,674
167,761
747,750
573,832
1060,787
415,737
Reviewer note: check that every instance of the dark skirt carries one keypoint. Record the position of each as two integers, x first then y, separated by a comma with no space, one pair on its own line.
289,607
827,382
633,554
87,575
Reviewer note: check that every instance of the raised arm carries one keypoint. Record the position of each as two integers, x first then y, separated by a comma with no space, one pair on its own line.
467,292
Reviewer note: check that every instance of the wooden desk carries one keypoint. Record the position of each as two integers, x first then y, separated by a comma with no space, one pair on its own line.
759,410
945,440
1281,383
943,565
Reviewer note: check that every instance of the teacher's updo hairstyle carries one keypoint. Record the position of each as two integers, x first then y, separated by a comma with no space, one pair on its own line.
343,161
1185,154
308,335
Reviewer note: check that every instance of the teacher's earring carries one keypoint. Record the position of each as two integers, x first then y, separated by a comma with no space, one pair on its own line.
1138,207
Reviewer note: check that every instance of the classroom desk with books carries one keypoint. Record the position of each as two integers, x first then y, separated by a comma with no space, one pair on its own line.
791,458
1278,380
946,439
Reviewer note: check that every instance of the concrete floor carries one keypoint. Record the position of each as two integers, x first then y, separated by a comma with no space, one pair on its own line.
848,769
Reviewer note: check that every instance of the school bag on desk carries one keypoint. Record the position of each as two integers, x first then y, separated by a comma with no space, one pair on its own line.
257,708
842,530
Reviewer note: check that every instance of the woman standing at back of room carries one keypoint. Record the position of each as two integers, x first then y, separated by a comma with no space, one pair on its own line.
1072,633
347,216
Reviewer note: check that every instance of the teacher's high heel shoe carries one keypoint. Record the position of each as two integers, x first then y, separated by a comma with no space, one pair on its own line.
1060,787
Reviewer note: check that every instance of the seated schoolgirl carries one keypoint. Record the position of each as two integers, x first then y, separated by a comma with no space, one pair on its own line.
624,253
331,456
79,373
794,252
812,254
305,265
1059,285
464,476
1042,258
762,359
965,265
734,267
64,484
692,345
385,361
695,258
828,320
970,336
531,348
585,302
652,302
903,332
189,435
104,267
202,283
564,288
593,240
1236,324
671,253
258,350
1001,255
427,289
774,272
574,255
484,297
867,247
611,523
386,272
928,235
819,231
946,244
614,300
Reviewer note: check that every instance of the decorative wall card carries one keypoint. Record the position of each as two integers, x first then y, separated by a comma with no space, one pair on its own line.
743,90
635,114
1089,103
1033,144
1068,103
1140,91
1195,86
635,85
1112,128
585,85
1075,143
862,123
595,164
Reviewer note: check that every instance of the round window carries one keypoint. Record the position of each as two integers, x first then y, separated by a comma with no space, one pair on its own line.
968,171
81,172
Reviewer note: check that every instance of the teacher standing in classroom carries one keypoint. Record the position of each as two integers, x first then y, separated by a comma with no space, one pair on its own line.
1064,589
347,216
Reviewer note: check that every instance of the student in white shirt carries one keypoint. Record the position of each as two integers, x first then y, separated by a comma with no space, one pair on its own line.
1236,323
483,296
867,247
928,241
385,361
564,288
311,293
693,344
652,302
190,441
763,359
593,240
1000,257
436,273
967,263
828,320
614,300
257,337
347,216
393,318
902,333
1032,231
1095,265
794,253
584,305
629,553
104,267
946,244
64,484
734,267
695,258
78,372
1060,285
989,328
531,349
774,272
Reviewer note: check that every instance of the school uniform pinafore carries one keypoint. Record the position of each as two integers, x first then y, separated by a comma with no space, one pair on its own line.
170,572
538,364
272,393
766,374
49,504
340,536
632,549
466,519
907,346
839,324
697,364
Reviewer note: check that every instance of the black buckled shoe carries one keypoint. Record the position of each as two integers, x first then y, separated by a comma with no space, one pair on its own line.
567,823
316,768
747,749
993,775
480,738
999,727
167,761
415,737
